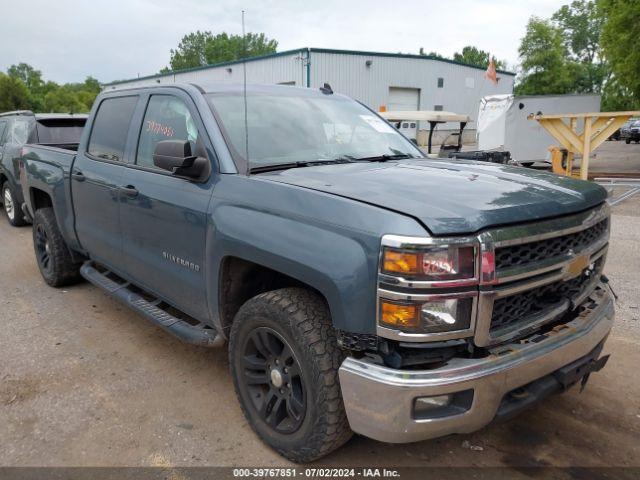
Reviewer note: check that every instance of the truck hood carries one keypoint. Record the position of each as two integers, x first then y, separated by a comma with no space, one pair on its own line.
450,198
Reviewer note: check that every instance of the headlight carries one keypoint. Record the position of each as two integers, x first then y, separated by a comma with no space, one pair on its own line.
431,264
428,287
433,316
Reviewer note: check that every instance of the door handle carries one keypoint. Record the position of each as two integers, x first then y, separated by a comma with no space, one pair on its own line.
77,175
129,191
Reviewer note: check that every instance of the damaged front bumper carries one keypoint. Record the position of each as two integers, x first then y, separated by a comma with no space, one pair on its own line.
466,394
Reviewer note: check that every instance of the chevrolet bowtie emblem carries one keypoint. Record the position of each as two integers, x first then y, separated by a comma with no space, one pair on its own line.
577,266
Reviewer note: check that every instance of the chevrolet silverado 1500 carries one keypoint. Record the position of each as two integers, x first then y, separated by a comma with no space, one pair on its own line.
359,286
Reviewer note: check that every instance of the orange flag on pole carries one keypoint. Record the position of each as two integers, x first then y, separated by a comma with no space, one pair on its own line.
491,73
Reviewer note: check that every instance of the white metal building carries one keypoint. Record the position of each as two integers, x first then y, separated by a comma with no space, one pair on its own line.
379,80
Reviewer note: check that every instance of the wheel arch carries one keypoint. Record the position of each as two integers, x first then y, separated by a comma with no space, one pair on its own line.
39,199
241,280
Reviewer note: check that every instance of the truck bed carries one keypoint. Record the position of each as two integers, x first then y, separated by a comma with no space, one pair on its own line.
47,168
60,155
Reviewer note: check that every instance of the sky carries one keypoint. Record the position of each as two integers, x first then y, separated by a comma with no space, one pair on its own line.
120,39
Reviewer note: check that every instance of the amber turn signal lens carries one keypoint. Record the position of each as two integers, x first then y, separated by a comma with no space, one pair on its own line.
395,261
399,315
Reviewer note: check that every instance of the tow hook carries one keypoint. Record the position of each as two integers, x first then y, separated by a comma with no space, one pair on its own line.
605,280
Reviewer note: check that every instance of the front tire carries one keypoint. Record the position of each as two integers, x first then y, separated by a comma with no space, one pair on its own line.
284,359
627,141
52,254
12,210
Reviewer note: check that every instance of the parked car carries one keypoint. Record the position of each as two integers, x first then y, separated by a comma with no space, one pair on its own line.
21,127
631,131
360,286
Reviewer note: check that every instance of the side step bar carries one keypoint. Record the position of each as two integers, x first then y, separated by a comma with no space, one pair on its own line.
200,334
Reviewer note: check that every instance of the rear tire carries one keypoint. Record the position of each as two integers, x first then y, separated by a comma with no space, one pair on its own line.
52,254
12,210
627,141
284,359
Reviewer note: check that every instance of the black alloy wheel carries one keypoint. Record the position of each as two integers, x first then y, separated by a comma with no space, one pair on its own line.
43,250
272,377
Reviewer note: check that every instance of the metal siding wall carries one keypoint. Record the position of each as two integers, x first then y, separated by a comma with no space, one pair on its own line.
286,68
348,74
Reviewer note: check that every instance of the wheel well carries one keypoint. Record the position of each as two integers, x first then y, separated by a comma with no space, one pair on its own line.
3,178
241,280
40,199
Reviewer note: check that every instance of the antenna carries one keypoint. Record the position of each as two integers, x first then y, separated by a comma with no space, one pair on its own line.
244,93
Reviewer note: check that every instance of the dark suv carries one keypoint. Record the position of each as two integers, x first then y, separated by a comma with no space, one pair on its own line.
631,131
17,128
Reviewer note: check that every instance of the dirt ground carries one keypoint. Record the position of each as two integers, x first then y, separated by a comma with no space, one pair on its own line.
86,382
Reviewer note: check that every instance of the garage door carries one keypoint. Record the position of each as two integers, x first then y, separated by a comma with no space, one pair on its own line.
404,99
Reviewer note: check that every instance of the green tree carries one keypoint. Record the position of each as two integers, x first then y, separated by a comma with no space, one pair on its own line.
620,37
544,65
474,56
191,51
14,94
92,85
67,99
581,25
616,97
24,87
203,48
70,97
31,77
430,54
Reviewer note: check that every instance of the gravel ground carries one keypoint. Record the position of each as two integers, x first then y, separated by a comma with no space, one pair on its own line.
85,382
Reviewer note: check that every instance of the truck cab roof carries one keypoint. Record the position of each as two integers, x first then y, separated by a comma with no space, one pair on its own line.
232,88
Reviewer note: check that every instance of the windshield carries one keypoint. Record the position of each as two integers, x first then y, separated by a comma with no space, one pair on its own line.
292,127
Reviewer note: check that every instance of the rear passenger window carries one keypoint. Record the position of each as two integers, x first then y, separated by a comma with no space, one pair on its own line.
110,128
166,118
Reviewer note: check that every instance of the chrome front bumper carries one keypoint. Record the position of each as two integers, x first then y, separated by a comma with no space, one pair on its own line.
380,401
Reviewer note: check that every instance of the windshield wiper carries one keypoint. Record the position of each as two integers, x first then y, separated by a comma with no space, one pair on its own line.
384,157
299,164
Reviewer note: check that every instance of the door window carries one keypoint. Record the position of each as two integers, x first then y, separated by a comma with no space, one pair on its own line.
166,118
110,128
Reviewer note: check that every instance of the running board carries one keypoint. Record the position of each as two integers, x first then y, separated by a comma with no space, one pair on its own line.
199,334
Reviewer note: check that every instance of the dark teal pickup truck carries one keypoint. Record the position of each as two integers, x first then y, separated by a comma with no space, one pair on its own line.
360,286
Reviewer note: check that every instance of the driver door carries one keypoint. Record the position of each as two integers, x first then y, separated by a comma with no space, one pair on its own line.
163,217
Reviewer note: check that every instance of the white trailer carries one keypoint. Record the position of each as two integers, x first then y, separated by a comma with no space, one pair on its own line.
503,124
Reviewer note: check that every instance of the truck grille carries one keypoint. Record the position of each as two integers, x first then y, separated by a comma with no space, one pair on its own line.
514,310
532,252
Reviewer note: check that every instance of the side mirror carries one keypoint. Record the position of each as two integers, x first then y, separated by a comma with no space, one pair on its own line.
176,157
